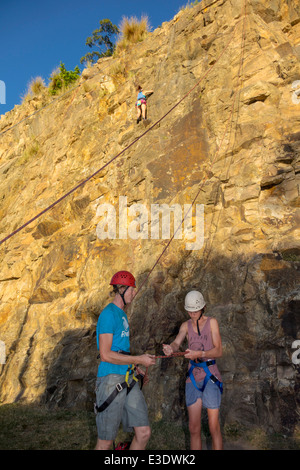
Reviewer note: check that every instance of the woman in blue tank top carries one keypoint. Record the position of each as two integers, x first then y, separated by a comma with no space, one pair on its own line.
141,104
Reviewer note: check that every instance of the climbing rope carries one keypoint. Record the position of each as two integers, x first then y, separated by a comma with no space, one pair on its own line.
213,161
171,356
177,354
182,354
239,75
174,354
76,87
82,183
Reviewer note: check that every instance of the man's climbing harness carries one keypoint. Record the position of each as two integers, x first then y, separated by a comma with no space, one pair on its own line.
140,376
124,385
209,376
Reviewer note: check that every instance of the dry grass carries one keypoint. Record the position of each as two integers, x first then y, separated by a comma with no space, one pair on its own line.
132,32
118,73
25,427
31,151
36,428
36,87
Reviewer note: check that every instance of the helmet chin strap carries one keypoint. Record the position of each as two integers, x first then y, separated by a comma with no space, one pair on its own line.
123,295
199,334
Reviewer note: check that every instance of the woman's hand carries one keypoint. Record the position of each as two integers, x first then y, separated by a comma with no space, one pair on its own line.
189,354
167,349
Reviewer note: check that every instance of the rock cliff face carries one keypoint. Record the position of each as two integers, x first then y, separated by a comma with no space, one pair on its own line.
233,141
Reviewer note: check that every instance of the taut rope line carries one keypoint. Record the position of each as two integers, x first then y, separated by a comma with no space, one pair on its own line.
206,177
82,183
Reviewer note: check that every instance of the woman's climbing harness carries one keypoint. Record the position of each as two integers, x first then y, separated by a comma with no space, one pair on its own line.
204,365
209,376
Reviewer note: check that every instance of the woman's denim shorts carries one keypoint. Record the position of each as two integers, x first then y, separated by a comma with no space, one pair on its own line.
211,397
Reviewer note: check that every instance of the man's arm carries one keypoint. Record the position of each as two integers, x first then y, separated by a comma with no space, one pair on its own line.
107,355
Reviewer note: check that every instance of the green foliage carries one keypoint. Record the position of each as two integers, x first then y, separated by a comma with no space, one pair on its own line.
69,76
190,4
62,78
102,39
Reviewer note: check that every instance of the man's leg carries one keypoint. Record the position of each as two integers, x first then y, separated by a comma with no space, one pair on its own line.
141,438
103,445
108,421
135,417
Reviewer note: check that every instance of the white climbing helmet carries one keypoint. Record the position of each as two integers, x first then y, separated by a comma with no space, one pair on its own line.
194,301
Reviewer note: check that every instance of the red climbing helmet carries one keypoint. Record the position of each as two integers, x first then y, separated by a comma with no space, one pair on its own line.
124,278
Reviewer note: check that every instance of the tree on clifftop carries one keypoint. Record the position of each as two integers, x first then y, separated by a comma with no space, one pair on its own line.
101,38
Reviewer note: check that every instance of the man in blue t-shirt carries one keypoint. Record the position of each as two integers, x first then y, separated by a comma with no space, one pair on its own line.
113,343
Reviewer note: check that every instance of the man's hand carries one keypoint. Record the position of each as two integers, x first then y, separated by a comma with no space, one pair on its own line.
143,374
147,360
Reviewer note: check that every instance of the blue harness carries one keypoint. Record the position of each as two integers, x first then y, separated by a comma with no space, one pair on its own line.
208,376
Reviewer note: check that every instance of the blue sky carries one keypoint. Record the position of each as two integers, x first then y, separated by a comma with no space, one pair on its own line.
36,35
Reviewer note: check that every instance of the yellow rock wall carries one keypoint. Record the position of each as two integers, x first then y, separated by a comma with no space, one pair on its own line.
234,141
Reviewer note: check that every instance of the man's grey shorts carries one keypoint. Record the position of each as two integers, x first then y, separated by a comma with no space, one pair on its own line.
211,397
128,408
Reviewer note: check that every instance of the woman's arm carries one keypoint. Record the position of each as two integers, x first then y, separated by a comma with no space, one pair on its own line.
168,349
213,353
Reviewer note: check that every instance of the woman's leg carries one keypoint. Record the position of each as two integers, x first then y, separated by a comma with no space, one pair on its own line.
144,111
215,429
194,412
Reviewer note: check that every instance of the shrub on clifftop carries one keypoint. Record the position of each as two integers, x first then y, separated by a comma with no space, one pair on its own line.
62,78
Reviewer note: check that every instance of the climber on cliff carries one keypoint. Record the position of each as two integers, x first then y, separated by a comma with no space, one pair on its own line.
118,396
141,103
203,385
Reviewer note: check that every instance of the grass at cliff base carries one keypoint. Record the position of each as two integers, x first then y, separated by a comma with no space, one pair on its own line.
38,428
